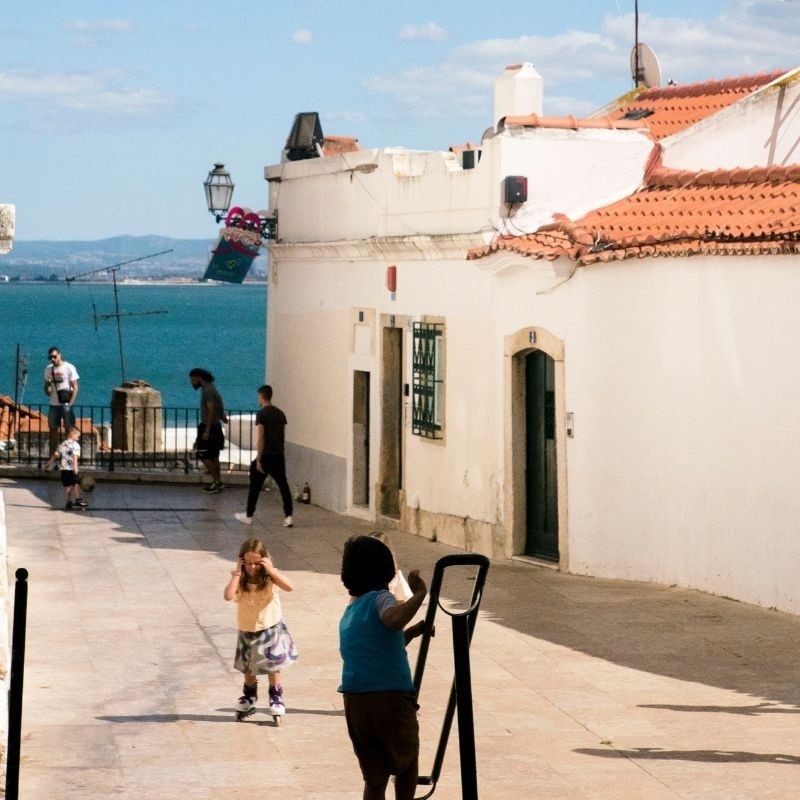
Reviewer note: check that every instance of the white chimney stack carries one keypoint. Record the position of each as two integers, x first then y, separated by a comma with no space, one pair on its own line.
518,92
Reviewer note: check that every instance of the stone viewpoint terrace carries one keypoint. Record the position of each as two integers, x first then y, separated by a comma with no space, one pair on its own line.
583,689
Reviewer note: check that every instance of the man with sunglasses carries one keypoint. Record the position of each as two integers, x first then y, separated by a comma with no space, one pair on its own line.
61,386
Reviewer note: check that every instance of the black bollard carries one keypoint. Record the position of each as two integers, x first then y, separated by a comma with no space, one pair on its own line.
15,684
461,690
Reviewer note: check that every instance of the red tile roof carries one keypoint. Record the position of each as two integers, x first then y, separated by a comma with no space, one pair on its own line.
459,148
573,123
661,111
670,109
677,213
334,145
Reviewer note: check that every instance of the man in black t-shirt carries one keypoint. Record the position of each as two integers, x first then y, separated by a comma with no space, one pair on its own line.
210,437
270,424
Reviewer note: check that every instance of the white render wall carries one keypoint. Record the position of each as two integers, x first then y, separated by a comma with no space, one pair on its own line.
683,469
401,193
680,374
760,130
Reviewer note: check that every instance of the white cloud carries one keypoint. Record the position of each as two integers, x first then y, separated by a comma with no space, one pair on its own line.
430,30
584,69
84,25
302,36
80,91
86,34
351,119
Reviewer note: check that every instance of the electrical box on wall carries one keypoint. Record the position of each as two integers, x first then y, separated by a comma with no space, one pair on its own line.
515,189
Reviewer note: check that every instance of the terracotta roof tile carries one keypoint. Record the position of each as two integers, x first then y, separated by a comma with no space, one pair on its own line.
459,148
677,213
661,110
573,123
333,145
670,109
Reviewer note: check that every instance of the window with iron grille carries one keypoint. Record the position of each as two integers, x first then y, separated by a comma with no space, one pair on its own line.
428,383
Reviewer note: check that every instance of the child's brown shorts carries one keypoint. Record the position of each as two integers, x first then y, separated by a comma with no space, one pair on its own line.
384,730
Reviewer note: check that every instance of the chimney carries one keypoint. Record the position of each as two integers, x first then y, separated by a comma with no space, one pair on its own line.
518,92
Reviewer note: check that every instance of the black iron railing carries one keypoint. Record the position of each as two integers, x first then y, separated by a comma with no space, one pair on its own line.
155,438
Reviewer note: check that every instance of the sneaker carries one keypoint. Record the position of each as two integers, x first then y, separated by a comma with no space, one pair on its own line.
213,487
243,518
81,503
68,505
287,523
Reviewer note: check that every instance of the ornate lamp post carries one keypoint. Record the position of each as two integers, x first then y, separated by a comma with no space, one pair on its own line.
219,191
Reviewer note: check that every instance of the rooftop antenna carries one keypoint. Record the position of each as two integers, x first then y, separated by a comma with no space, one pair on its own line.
645,68
117,314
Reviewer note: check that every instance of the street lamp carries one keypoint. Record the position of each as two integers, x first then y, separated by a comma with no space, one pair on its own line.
219,193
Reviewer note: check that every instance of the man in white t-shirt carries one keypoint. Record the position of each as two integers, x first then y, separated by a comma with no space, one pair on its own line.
61,386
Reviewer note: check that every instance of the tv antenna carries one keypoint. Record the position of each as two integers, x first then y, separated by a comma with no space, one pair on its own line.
117,314
645,68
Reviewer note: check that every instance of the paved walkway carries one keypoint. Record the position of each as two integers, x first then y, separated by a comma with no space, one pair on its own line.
584,689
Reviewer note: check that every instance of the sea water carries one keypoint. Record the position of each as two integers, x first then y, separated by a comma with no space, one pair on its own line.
164,330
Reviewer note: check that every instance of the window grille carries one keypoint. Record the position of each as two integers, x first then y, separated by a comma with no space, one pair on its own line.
428,383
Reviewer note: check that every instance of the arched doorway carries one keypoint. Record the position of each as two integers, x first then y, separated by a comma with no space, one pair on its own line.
535,491
541,462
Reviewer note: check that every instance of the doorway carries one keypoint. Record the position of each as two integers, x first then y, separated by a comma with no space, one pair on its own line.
360,438
390,480
541,476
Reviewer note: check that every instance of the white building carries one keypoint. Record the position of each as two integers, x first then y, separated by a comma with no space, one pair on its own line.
572,342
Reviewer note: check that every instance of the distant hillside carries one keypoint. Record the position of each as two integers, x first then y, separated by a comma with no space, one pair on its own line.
46,260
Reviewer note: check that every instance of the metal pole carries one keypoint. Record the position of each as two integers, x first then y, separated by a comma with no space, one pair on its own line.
119,325
466,723
15,684
16,379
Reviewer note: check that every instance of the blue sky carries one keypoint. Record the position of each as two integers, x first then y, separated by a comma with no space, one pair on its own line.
113,111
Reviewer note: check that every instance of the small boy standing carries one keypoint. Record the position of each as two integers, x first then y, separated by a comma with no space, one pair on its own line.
380,701
68,454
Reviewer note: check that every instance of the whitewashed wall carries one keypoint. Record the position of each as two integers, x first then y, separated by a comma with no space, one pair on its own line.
760,130
679,372
683,470
400,193
680,375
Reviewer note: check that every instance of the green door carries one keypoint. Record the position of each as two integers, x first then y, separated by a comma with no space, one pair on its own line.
541,489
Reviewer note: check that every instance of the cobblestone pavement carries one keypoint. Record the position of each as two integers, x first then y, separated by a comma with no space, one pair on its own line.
583,689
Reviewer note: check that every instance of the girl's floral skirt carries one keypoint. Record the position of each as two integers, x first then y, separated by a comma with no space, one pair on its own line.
263,652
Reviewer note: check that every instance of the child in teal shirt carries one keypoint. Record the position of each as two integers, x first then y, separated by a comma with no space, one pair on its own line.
380,702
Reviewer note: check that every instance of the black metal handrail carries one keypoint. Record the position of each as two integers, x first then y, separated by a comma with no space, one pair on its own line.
158,438
463,622
16,679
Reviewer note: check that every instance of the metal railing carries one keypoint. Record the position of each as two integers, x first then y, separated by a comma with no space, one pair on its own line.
157,438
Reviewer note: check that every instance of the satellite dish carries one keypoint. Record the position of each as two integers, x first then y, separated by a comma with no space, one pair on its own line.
645,68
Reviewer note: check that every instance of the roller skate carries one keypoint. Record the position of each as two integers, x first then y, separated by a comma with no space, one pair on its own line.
276,706
246,704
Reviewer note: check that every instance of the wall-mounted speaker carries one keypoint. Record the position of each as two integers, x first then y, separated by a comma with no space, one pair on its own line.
515,189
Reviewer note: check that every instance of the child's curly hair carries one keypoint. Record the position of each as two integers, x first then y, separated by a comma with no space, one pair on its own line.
260,580
367,565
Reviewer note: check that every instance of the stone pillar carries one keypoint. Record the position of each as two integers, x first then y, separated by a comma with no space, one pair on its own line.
7,217
136,418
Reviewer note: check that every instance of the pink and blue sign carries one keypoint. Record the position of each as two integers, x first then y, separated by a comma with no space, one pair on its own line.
237,247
